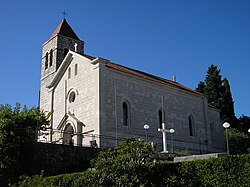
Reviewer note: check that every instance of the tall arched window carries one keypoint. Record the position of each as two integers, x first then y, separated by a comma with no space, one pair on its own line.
65,52
46,60
125,113
75,69
211,127
160,116
213,132
51,57
69,73
191,125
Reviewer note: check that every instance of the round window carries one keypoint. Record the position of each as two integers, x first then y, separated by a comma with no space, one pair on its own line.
72,97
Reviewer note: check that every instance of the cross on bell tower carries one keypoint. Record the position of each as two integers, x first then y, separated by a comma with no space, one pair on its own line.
64,14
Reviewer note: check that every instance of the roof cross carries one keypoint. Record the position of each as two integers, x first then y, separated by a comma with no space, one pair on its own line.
64,14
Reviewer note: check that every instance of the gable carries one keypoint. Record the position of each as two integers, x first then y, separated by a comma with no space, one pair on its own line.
69,117
66,63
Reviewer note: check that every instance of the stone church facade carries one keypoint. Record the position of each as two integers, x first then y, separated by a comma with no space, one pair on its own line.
95,102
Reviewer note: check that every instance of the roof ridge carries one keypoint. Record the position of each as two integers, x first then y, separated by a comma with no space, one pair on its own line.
149,76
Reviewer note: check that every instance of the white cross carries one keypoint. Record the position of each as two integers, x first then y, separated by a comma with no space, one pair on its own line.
75,47
164,136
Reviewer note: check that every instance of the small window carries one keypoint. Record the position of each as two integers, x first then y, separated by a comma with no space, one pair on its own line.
191,125
69,73
125,114
46,61
72,97
75,69
51,57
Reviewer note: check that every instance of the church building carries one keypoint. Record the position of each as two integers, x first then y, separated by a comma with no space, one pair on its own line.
95,102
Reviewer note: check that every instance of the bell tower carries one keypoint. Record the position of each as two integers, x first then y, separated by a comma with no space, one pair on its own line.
54,50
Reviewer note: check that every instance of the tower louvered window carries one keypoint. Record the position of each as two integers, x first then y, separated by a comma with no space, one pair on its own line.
65,52
51,57
46,61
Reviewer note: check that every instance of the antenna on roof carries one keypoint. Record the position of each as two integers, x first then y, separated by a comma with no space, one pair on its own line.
64,14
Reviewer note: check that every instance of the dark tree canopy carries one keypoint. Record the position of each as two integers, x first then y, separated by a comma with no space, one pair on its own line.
244,124
218,93
18,134
213,86
239,142
201,87
227,104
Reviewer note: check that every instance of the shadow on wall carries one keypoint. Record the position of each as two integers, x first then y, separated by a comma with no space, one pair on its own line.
54,159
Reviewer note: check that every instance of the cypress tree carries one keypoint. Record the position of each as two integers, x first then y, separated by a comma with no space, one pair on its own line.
201,87
213,86
219,95
227,105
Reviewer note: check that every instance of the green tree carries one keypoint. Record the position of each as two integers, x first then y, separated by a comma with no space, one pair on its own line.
201,87
213,86
244,122
123,165
18,135
219,95
238,141
227,104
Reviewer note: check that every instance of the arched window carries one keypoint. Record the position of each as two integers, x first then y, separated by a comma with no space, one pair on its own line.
51,57
160,116
125,113
46,60
72,97
75,69
213,132
65,52
69,73
191,125
68,135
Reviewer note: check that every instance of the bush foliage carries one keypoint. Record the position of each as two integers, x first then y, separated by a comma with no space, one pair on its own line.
18,135
238,141
115,167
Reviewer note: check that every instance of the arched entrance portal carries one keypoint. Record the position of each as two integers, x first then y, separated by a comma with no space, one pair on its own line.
68,135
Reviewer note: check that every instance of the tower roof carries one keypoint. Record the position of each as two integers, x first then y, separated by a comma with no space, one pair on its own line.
64,29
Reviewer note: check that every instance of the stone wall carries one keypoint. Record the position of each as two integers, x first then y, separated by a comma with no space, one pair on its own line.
55,159
199,157
144,98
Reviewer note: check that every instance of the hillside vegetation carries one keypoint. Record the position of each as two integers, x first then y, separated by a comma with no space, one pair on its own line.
131,164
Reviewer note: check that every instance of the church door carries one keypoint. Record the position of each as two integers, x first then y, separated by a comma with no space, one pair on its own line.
68,135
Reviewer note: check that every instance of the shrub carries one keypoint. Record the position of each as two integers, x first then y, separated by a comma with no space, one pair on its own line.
228,171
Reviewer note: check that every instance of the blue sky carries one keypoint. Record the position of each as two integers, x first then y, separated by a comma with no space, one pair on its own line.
161,37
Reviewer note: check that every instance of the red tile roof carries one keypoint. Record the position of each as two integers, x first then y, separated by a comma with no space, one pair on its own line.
145,75
149,77
88,56
64,29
